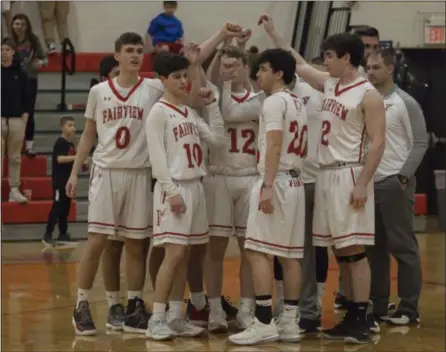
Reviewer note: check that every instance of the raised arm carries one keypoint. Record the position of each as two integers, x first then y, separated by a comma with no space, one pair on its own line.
212,134
155,131
313,77
229,30
241,112
375,123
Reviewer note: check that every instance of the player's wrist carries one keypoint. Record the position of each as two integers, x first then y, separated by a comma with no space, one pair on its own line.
266,185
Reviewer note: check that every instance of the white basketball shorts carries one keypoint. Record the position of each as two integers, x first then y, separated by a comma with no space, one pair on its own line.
227,201
335,222
120,202
190,228
281,233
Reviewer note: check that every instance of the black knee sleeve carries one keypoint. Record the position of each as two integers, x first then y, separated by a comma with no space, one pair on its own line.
351,258
278,272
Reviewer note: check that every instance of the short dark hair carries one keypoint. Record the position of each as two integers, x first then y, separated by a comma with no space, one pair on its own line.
106,65
346,43
388,55
279,60
166,63
65,119
318,60
9,42
128,38
236,53
170,3
366,31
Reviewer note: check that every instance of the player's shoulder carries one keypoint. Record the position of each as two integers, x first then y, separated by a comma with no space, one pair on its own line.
158,109
408,101
100,87
278,100
153,83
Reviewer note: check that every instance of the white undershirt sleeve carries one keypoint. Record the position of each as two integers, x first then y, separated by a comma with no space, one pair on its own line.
155,132
90,110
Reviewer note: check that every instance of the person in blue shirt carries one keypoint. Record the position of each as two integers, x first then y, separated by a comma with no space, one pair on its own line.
165,32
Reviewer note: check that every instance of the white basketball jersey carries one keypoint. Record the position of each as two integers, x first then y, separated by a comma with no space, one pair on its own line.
286,112
120,116
182,143
312,100
241,130
343,136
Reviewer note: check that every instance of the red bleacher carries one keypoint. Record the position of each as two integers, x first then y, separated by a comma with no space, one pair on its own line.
89,62
34,178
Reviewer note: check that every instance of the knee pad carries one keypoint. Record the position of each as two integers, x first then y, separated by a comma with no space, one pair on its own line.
351,258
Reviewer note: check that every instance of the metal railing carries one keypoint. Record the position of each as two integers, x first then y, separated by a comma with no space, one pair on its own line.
68,52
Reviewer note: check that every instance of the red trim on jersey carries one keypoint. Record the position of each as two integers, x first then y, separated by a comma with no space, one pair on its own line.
343,90
177,109
120,226
274,245
188,87
361,144
353,176
131,91
242,99
292,94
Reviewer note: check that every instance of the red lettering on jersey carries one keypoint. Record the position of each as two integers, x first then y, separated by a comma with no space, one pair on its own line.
185,129
305,100
335,107
122,112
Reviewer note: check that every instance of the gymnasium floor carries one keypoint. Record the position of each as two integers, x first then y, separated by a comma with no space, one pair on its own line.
38,293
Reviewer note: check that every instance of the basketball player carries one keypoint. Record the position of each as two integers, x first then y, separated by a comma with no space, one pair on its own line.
406,144
120,194
312,285
233,173
353,123
277,205
174,133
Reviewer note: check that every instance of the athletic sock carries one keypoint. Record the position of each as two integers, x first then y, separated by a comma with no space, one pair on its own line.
113,298
198,300
263,310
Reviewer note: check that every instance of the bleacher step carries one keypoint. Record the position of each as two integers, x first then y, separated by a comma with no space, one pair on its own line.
44,141
50,99
52,80
34,232
50,121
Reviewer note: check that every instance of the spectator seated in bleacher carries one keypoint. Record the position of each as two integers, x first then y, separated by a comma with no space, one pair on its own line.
165,32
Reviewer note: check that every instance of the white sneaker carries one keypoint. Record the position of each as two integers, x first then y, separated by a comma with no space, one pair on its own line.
217,321
288,328
159,330
244,317
255,333
16,196
181,327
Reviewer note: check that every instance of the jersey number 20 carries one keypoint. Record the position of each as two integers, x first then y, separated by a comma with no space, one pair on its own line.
299,144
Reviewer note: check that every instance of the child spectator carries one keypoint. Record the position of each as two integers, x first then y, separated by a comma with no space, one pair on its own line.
165,32
64,153
15,109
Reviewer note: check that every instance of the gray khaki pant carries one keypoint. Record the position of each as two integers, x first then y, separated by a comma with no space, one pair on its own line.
308,294
13,132
394,235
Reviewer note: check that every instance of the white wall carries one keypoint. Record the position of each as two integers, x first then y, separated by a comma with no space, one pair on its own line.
397,20
94,25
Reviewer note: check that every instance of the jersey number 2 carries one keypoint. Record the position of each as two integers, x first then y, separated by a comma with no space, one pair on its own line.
247,134
326,127
195,152
122,137
299,144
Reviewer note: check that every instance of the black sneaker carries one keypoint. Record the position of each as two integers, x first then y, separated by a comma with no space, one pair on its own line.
357,334
340,302
66,241
230,310
338,332
47,240
82,321
373,324
116,317
137,316
309,325
391,306
403,318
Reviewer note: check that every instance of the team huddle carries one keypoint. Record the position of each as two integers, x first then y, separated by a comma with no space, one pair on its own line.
191,158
